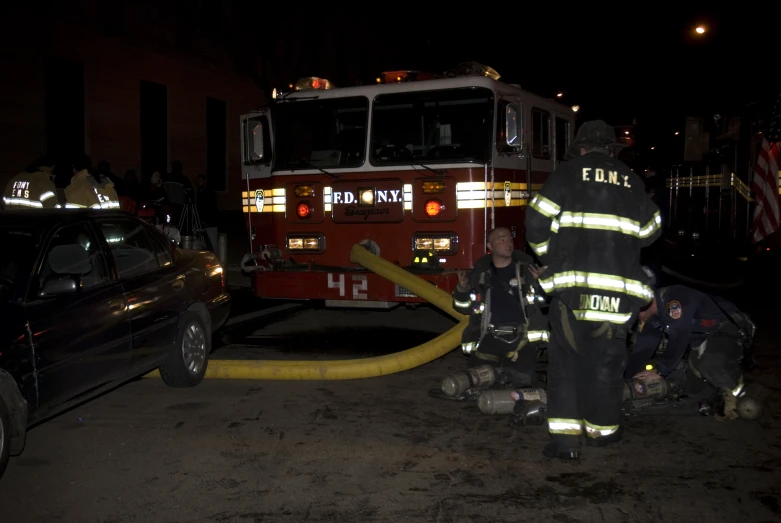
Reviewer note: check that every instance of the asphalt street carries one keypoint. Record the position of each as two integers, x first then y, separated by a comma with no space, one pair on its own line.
377,449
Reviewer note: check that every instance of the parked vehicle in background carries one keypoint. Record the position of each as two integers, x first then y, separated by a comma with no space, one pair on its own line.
91,299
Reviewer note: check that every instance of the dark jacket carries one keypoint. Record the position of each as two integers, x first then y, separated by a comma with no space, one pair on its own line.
687,317
588,224
476,302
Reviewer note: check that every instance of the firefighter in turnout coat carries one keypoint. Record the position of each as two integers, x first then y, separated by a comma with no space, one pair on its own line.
587,225
506,325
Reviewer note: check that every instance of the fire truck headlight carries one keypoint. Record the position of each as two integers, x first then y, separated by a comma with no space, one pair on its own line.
367,196
443,244
308,243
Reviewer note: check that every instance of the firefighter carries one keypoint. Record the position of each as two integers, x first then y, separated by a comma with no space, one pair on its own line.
715,333
88,190
33,188
587,225
506,325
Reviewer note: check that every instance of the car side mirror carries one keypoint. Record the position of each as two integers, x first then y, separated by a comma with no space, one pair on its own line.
60,285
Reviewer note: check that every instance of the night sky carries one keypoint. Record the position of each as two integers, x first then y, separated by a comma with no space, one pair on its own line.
650,66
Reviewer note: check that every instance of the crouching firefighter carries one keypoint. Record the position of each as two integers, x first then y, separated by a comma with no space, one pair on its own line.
706,337
506,325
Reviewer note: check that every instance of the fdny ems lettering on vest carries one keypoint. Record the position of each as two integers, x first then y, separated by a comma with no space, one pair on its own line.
347,197
599,176
596,302
20,190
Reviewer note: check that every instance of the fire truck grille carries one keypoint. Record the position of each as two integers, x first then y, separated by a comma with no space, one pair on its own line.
401,292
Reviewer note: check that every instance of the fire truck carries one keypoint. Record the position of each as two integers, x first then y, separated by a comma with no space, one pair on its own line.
416,168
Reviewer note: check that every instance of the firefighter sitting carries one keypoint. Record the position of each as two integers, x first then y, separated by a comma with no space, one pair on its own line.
88,190
506,325
33,188
716,335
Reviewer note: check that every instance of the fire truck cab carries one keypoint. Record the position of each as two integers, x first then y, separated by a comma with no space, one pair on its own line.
417,169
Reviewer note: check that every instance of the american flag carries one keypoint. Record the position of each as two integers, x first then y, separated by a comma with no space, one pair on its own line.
765,182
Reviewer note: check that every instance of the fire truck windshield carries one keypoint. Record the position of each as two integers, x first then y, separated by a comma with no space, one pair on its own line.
446,126
320,133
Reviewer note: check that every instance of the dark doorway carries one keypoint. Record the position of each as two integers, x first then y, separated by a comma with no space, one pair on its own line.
154,129
216,143
64,113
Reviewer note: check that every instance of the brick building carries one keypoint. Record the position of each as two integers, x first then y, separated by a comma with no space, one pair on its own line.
137,84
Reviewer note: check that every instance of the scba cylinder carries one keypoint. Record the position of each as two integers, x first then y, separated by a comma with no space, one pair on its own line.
493,402
458,384
640,389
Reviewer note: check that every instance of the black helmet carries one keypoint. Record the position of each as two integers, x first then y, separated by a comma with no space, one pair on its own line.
594,133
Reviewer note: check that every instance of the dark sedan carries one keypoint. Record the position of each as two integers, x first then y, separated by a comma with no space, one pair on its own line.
90,299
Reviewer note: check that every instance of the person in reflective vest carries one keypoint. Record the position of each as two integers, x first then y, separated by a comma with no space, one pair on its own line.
588,224
88,190
506,325
33,188
706,337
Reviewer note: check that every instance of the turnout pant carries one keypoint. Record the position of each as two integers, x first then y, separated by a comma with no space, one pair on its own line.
519,365
586,361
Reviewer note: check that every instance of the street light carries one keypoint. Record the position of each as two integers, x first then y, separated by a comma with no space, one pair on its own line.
677,133
575,108
700,29
559,95
652,148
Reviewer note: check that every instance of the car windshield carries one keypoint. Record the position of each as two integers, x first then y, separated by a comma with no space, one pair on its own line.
324,134
20,245
451,125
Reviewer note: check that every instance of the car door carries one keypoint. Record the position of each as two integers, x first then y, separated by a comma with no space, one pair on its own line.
154,289
81,339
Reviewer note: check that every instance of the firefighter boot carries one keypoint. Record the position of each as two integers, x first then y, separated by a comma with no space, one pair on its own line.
604,441
554,451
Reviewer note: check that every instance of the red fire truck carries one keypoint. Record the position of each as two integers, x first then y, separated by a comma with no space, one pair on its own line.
417,169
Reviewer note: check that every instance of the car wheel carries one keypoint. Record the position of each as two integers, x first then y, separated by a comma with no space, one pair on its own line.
5,437
187,363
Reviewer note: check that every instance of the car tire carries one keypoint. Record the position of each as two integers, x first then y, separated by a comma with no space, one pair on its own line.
5,437
186,365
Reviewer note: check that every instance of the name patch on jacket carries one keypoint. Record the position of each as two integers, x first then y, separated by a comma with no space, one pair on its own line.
598,175
595,302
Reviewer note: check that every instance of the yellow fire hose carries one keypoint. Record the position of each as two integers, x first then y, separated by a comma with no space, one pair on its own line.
355,368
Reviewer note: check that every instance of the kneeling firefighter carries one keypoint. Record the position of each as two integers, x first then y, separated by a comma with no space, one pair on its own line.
707,338
506,324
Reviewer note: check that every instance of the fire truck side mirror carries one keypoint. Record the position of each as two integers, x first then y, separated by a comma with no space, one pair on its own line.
513,132
253,139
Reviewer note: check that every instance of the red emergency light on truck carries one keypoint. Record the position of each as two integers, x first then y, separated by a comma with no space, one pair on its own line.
416,171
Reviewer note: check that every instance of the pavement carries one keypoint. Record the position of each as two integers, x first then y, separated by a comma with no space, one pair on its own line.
378,449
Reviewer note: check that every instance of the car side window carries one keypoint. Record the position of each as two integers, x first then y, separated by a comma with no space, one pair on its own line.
80,234
130,246
163,253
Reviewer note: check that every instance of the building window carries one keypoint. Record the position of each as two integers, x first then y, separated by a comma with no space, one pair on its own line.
64,112
562,138
154,129
541,134
216,143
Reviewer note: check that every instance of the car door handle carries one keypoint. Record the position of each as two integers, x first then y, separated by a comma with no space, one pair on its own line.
116,305
178,284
